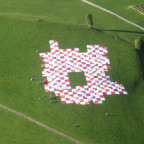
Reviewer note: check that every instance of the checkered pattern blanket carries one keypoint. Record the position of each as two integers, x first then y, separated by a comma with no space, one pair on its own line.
59,62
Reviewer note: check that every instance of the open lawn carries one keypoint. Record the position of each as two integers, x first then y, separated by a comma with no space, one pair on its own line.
15,130
21,34
122,8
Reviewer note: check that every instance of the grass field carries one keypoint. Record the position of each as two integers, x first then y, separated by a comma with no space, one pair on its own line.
15,130
21,34
122,8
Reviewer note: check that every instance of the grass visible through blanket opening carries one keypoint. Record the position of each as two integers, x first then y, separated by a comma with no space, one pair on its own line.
77,79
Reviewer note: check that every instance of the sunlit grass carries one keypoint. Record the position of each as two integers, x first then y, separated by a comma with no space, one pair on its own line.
21,36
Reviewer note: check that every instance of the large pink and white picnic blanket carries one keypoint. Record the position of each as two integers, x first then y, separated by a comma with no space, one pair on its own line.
59,62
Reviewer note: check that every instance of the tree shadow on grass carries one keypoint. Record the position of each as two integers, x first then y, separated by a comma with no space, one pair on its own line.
140,55
126,31
115,36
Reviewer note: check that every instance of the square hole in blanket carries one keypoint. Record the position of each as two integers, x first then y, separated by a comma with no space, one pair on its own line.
77,79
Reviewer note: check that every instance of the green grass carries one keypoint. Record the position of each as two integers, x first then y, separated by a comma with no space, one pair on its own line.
122,8
139,9
21,35
16,130
77,79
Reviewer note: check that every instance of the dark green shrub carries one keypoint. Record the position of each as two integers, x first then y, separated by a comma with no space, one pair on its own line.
139,43
89,20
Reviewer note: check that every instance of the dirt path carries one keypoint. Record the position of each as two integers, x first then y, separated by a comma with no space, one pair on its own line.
136,10
41,124
114,14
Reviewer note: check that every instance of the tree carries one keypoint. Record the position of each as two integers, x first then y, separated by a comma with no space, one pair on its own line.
139,43
89,20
